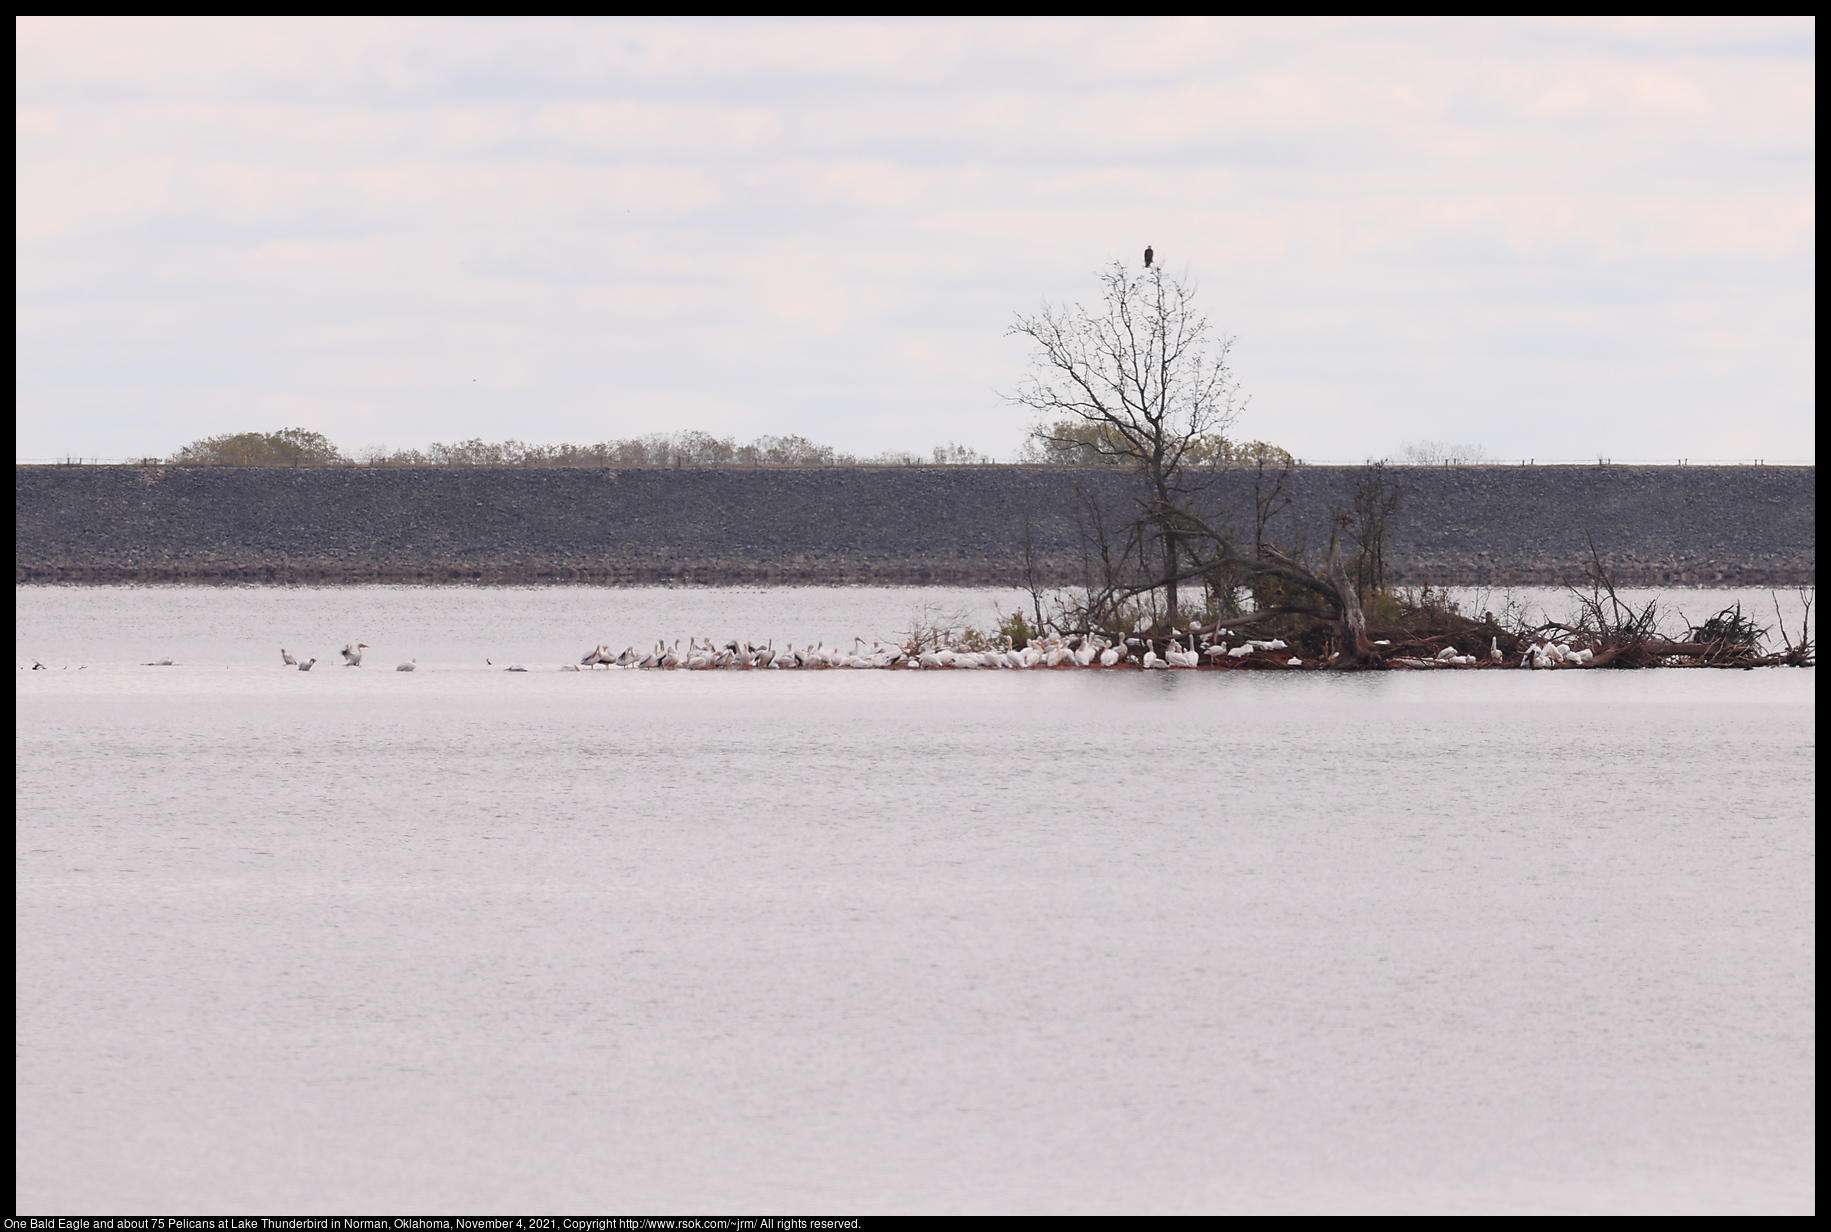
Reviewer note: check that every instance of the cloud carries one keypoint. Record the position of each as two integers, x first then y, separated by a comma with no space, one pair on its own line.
408,229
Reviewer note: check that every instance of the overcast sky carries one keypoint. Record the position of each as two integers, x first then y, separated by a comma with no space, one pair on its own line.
1556,239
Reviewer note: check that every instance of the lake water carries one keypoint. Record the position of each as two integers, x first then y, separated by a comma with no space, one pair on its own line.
762,943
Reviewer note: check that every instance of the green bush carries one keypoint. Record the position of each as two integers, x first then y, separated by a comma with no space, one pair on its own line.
287,447
1018,629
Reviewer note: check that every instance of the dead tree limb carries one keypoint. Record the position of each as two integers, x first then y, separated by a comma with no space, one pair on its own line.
1264,614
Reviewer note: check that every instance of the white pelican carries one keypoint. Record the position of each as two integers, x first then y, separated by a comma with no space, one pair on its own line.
307,665
1494,649
408,666
627,658
1109,657
287,659
352,655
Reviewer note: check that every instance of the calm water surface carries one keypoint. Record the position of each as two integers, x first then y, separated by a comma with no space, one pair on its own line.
465,940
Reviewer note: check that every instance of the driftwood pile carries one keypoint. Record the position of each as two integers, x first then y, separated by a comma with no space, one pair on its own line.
1606,632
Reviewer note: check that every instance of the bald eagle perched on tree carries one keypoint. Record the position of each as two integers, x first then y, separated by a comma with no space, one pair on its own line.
1147,256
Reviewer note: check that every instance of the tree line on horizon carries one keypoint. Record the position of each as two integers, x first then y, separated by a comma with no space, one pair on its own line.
1066,444
292,447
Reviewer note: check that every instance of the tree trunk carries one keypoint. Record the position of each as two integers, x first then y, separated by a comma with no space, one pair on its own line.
1354,644
1169,570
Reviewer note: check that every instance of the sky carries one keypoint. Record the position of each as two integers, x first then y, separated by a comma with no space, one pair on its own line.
1550,238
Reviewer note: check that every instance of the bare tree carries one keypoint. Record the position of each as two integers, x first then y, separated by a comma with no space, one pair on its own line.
1373,505
1147,372
1144,381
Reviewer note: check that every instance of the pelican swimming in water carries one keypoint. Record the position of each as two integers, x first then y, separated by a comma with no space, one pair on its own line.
287,659
408,666
352,655
307,665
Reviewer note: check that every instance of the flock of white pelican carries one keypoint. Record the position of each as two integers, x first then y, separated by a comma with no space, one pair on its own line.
1181,650
1554,654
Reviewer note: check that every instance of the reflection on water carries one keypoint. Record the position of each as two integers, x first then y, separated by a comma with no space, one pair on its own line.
462,940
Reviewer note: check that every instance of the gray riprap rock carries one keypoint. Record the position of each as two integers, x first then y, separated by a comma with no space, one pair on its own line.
950,525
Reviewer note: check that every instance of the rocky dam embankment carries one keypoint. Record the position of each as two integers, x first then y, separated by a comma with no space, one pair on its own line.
958,525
